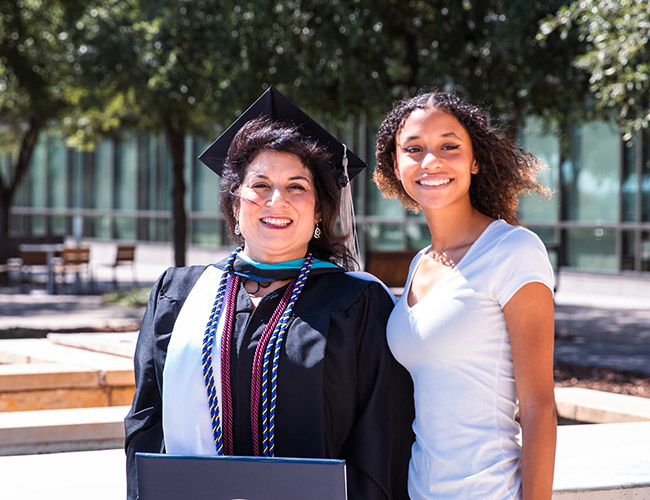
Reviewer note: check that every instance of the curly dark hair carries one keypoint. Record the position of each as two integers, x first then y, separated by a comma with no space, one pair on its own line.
505,170
263,134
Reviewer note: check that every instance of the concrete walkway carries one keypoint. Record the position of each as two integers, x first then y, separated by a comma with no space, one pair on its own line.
594,462
81,475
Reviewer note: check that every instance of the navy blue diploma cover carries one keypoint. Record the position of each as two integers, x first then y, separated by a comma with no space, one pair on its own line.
167,477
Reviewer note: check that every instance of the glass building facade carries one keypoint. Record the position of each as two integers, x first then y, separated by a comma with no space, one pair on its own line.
596,220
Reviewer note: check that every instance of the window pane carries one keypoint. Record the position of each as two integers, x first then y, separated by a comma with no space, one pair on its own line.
645,251
85,163
58,175
385,236
160,170
126,174
38,177
125,228
543,144
103,189
378,205
102,227
207,232
629,184
592,250
591,179
205,189
418,235
160,229
58,223
628,251
645,180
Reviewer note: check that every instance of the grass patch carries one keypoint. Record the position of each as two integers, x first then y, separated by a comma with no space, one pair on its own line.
39,333
132,297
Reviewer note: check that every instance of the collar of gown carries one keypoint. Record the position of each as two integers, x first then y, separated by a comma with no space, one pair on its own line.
246,267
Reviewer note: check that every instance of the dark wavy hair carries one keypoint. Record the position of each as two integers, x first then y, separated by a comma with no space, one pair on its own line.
505,170
262,134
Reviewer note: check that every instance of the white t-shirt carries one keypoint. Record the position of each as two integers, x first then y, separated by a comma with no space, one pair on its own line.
455,344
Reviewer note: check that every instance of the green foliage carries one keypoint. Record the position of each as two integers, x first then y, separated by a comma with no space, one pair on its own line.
131,298
617,60
488,53
40,44
38,58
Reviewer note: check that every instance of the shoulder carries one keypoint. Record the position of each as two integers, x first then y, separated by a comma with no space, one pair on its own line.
167,298
368,278
508,237
518,256
504,244
178,280
345,291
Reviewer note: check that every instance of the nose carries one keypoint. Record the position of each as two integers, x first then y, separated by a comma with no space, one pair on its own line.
277,197
430,160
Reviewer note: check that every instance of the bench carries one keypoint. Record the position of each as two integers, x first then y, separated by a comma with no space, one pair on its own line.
70,429
390,266
599,407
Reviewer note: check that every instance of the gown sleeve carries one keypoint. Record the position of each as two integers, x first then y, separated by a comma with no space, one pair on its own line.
378,448
143,423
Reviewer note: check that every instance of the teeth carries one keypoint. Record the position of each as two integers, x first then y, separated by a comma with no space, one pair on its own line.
276,222
434,182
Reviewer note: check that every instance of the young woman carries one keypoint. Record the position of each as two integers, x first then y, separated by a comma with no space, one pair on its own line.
202,372
474,326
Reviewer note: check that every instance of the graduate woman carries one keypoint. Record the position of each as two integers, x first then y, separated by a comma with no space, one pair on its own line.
277,350
474,326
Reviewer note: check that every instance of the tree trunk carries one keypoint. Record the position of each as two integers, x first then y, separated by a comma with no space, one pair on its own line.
8,190
176,139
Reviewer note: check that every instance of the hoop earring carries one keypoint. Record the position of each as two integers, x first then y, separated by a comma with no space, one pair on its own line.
317,231
237,231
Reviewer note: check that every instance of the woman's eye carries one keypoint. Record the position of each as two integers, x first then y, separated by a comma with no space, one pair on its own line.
412,149
297,187
259,185
450,147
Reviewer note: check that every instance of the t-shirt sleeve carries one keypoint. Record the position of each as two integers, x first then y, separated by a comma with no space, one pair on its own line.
521,258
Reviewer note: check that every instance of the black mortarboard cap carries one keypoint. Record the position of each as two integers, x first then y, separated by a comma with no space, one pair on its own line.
274,105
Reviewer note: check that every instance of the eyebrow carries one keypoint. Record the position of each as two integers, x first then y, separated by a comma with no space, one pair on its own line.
447,134
293,178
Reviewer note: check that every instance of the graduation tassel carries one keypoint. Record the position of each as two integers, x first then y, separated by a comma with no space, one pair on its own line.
346,212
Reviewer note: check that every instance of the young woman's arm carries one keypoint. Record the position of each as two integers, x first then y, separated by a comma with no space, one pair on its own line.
530,319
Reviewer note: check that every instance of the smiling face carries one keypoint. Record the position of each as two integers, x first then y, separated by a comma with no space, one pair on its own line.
277,207
434,160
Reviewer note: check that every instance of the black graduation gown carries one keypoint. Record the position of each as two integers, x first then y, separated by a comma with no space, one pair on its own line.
341,394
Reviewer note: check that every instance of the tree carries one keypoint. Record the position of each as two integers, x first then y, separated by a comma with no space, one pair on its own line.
39,50
181,69
616,34
190,67
487,52
366,53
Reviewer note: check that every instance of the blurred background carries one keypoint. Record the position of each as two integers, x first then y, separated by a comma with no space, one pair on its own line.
105,106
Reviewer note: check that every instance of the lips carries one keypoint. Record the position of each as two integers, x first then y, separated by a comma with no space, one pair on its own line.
276,221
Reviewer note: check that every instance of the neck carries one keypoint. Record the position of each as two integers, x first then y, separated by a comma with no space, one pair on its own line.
271,259
450,230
